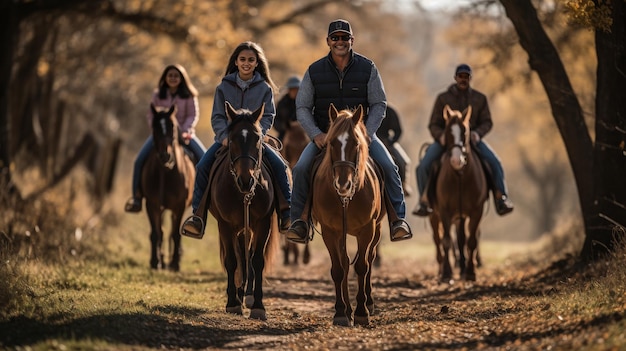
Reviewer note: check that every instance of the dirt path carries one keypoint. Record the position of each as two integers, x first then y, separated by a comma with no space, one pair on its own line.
504,308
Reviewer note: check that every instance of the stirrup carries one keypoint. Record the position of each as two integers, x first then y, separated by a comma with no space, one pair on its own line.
294,232
400,224
190,227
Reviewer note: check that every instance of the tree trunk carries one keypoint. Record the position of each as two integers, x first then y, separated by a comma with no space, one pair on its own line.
9,32
566,110
610,146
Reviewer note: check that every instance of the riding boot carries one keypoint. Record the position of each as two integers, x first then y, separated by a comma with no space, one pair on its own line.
399,228
502,202
194,226
134,203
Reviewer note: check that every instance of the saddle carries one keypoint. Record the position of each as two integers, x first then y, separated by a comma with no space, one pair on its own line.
431,186
220,157
306,214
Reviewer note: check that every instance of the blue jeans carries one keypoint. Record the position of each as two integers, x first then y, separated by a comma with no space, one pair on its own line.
195,145
279,170
378,151
434,152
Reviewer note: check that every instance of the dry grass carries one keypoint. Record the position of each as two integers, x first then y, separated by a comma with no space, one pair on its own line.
97,293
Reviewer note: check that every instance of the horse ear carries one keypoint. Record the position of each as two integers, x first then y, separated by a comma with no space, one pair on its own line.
332,112
172,109
154,112
446,112
258,113
467,115
358,114
230,111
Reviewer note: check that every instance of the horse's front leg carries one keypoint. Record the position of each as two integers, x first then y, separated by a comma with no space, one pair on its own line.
363,267
233,303
472,245
446,242
461,240
436,227
257,309
156,237
175,239
339,272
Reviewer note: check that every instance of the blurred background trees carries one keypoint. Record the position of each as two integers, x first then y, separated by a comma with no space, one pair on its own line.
76,77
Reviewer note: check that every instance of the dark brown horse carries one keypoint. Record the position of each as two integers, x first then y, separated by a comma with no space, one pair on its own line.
243,205
294,142
461,192
167,182
348,200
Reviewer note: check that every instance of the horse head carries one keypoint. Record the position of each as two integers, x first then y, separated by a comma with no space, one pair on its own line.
457,135
165,134
245,146
347,143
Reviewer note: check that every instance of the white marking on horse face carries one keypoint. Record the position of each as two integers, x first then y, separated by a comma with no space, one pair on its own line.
343,139
456,157
244,133
163,127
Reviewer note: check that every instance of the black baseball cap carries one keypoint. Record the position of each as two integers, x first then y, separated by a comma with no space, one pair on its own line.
339,25
463,68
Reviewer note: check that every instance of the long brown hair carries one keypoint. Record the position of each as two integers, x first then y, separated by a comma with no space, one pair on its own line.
185,89
263,67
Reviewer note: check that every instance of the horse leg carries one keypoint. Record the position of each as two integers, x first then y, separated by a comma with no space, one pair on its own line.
233,303
306,254
461,244
175,240
340,264
436,227
361,268
446,274
372,254
156,236
472,246
263,229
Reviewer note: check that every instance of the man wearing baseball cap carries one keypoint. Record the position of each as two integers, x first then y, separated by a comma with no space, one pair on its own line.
345,79
459,96
286,107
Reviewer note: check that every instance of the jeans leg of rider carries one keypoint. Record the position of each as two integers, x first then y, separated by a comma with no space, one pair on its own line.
139,161
279,168
196,146
202,175
393,184
301,176
433,153
495,164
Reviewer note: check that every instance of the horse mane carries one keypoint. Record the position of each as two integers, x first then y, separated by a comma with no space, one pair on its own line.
345,123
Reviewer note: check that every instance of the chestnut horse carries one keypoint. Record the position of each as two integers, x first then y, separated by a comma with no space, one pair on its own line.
294,142
348,200
461,192
242,202
167,182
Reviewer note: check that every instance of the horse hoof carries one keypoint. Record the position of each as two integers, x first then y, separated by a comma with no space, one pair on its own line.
248,301
342,321
361,320
470,277
235,310
258,313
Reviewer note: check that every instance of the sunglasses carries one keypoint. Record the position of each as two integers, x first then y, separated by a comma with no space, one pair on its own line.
341,37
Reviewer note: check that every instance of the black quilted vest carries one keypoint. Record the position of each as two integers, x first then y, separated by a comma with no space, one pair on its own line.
345,89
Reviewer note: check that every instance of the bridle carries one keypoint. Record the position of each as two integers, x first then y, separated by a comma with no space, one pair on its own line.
256,173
